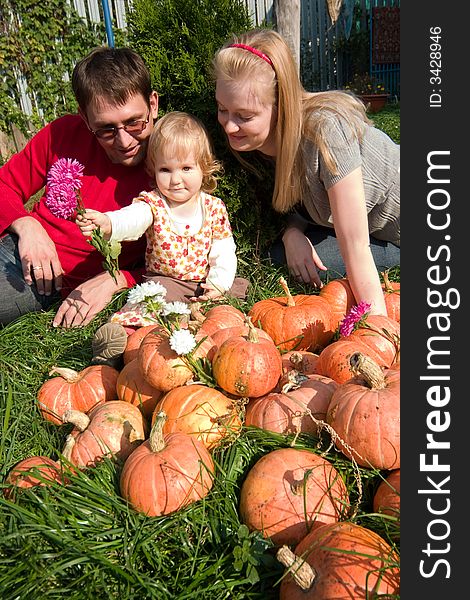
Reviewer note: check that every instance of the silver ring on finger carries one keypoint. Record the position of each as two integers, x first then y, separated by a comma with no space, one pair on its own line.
37,268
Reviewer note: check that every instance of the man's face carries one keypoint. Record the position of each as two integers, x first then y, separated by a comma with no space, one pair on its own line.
129,147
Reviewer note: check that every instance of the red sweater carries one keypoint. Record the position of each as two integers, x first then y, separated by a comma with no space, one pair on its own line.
105,186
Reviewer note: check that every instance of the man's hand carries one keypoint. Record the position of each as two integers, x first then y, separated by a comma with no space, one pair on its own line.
301,257
87,300
38,255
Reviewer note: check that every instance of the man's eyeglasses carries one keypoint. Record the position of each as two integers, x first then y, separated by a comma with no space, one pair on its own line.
133,128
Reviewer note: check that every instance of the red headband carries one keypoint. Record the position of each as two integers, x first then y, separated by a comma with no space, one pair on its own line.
254,51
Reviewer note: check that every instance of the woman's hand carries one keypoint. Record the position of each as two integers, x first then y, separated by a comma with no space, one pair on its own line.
38,254
301,257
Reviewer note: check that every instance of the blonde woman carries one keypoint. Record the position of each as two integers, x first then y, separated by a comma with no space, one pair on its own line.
336,176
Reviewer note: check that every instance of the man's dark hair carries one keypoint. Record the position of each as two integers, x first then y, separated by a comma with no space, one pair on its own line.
114,74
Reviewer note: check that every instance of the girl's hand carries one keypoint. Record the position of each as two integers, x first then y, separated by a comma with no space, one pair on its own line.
210,293
301,257
91,220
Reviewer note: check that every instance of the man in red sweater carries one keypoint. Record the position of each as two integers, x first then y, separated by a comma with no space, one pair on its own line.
45,259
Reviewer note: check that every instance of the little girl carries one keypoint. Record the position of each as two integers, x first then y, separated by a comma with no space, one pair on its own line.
190,246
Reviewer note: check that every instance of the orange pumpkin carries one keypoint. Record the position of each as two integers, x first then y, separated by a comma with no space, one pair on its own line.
220,317
74,390
167,472
288,490
200,411
286,411
391,291
340,561
365,413
382,334
247,366
33,471
340,297
334,359
133,388
114,428
161,367
302,322
219,336
134,340
387,496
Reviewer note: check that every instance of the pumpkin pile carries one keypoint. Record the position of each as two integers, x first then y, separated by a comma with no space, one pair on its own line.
283,366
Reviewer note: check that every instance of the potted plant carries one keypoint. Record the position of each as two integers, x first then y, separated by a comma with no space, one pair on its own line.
371,91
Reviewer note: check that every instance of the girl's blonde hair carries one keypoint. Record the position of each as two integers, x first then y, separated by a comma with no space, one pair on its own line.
300,114
178,134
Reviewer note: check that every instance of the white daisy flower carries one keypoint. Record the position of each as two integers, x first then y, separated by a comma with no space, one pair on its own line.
182,341
175,308
146,291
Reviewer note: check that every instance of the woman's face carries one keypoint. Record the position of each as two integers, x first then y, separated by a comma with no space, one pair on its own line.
248,121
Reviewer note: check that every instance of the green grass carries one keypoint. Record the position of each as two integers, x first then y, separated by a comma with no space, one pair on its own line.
388,120
82,541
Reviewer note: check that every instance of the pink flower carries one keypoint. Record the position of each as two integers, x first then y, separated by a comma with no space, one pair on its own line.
64,180
355,314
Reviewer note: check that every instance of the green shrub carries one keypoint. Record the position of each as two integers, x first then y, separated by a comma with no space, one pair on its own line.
43,41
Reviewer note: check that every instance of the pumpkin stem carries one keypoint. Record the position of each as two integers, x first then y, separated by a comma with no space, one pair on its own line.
369,370
69,375
387,285
283,284
156,439
131,432
298,487
78,418
196,314
303,574
252,333
292,381
68,447
297,361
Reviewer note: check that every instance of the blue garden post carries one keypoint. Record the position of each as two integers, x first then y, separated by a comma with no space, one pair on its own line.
108,24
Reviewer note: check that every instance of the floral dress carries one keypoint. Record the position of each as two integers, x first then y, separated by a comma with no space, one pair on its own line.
183,256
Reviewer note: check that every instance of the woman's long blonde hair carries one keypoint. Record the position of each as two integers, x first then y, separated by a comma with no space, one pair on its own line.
300,114
178,134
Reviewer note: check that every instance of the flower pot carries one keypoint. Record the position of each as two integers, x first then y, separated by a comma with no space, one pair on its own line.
374,102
